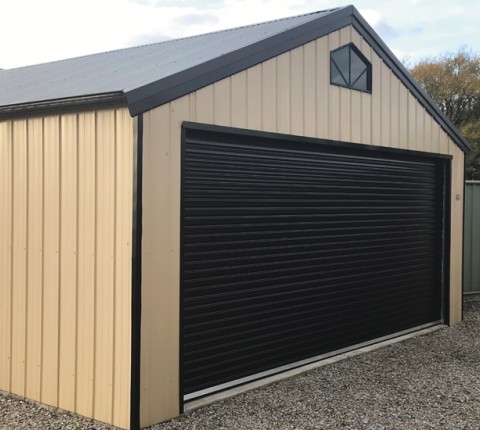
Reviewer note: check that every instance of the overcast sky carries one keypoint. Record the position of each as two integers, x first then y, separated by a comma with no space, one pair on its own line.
37,31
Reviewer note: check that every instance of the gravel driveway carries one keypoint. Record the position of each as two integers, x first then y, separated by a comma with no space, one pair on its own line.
428,382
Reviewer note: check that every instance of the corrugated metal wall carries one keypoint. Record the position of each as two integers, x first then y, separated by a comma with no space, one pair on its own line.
65,283
471,242
288,94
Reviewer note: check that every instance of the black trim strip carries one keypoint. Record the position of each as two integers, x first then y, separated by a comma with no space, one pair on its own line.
463,234
136,277
446,245
70,104
181,325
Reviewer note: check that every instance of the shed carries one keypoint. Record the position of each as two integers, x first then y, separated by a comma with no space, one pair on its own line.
181,218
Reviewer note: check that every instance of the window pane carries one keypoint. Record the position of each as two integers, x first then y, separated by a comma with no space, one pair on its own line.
341,57
361,83
357,66
335,76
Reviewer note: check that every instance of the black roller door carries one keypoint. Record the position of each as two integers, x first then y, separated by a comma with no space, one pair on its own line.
292,249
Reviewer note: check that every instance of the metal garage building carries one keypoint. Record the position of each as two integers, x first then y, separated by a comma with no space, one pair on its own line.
183,217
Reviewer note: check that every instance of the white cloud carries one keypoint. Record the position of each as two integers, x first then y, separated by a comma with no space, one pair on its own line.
198,19
39,31
381,26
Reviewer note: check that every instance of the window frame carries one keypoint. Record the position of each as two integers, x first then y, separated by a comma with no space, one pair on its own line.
362,57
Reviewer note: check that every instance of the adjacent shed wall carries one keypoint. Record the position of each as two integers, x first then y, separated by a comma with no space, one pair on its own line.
471,244
288,94
65,261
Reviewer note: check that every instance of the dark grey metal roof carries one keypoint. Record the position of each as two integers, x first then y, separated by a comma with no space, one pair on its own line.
128,69
145,77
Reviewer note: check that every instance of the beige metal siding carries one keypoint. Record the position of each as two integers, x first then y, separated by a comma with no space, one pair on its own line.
287,94
160,253
456,254
6,169
65,255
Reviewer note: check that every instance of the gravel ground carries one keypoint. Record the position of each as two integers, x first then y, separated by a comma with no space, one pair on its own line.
428,382
18,414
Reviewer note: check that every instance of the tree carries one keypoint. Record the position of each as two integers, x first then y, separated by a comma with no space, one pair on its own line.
453,81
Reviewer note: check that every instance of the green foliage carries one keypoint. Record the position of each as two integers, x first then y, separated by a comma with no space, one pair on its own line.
472,170
453,81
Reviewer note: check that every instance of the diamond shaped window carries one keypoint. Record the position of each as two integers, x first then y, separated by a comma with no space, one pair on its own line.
350,69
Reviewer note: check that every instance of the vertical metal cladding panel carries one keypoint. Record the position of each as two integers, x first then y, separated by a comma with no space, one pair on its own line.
6,161
292,250
472,238
65,253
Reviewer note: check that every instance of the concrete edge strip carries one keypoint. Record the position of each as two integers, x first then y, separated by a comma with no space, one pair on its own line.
198,403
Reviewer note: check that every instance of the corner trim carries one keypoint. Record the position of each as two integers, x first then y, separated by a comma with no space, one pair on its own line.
136,304
181,400
446,241
463,235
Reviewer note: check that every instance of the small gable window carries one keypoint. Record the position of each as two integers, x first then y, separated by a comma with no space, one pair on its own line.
350,69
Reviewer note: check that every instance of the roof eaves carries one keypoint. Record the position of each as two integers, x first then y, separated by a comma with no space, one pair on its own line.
162,91
95,101
369,34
